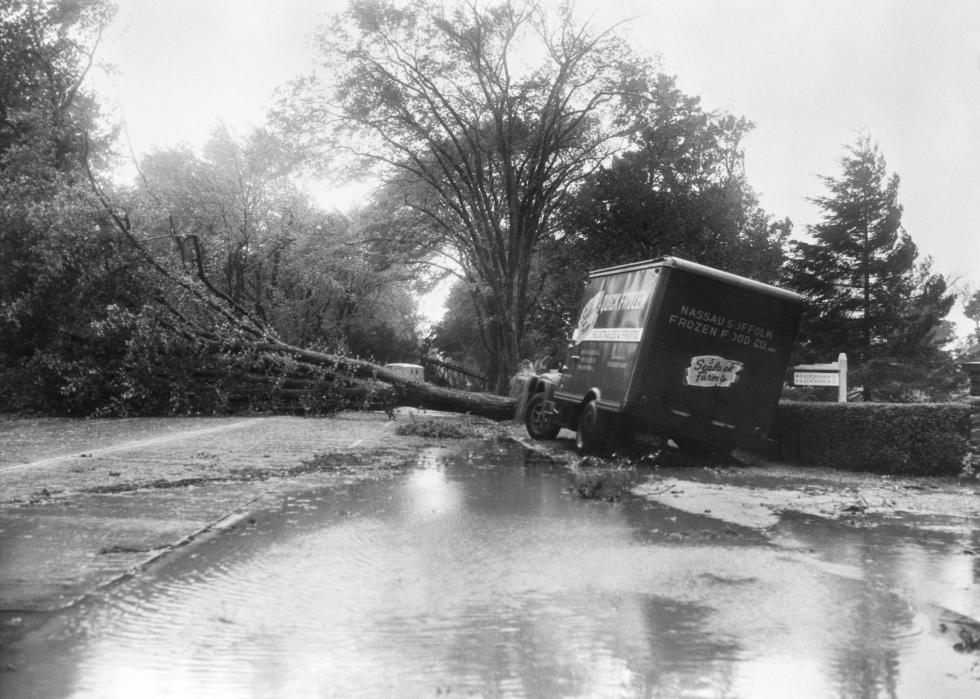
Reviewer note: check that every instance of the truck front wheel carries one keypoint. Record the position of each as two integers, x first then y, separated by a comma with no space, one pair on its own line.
539,424
591,432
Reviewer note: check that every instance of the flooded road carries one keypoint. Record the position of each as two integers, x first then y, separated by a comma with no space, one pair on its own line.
483,574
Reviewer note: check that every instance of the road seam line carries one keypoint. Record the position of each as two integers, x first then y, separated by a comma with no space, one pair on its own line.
152,441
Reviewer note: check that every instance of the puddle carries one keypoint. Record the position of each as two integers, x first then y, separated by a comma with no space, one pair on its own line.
483,574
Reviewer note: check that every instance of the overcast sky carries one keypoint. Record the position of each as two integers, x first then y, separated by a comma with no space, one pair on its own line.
810,74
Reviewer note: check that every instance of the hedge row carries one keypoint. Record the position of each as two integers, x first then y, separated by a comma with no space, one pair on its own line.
917,438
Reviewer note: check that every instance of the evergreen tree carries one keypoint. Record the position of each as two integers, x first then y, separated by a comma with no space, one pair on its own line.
868,295
971,309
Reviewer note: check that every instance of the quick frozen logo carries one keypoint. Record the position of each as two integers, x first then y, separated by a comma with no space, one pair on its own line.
626,301
590,314
612,317
712,371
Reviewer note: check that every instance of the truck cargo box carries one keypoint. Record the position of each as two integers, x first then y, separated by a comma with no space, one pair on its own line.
672,349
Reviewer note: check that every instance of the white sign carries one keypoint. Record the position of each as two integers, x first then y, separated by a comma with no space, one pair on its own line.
816,378
712,371
830,374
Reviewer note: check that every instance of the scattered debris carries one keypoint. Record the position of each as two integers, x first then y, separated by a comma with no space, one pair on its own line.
456,427
966,629
44,496
595,479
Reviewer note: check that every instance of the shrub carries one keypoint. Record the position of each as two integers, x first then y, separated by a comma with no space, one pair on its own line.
919,438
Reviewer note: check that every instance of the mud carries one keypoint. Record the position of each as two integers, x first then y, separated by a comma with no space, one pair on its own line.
749,490
758,496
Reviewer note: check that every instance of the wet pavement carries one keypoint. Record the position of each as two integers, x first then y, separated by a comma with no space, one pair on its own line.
479,571
85,502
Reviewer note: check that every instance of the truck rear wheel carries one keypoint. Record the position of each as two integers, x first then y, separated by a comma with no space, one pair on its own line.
539,424
591,432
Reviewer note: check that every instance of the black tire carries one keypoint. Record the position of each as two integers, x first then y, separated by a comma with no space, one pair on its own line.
539,424
591,432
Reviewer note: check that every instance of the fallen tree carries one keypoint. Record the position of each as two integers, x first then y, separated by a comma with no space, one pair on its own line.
402,391
223,348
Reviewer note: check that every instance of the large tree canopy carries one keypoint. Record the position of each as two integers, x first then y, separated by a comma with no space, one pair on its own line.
47,48
47,119
678,188
486,115
868,295
63,271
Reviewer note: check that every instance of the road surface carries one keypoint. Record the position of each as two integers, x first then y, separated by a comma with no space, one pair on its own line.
291,557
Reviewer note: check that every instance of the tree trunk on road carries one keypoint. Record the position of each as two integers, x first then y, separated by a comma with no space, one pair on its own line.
404,392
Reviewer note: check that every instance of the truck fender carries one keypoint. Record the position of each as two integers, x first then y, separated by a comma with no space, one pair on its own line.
540,385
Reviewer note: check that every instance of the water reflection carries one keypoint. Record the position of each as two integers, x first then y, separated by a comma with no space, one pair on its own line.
429,493
483,575
889,639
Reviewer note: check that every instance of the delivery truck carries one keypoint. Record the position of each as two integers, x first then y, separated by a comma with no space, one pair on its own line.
669,349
